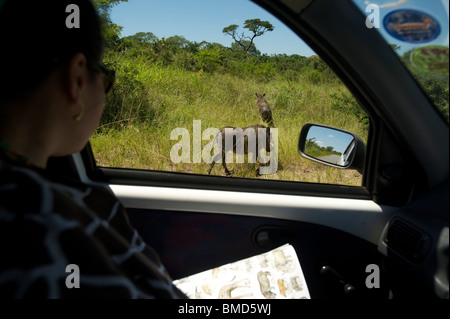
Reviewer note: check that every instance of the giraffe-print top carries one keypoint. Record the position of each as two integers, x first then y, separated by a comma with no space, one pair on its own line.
46,225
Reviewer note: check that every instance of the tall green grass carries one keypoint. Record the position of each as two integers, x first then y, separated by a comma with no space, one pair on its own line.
150,100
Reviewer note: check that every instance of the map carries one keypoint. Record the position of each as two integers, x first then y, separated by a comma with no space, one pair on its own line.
276,274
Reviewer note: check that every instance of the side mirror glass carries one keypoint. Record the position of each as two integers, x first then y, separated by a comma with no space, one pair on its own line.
332,147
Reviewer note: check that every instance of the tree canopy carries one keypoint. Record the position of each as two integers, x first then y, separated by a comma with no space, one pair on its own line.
246,42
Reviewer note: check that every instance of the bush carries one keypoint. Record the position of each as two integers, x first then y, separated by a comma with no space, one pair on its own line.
209,60
127,100
315,77
346,103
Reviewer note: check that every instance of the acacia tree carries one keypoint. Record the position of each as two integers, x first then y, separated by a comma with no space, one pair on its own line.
251,48
255,26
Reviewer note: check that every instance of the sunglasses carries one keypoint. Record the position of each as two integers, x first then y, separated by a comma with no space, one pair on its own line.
107,74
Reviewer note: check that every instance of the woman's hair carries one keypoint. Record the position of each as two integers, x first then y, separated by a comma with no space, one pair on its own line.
36,39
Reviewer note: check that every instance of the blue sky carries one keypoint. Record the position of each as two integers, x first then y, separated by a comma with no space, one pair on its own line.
326,137
204,20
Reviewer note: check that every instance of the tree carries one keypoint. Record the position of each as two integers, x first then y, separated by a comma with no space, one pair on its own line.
106,5
255,26
111,31
143,37
178,42
235,47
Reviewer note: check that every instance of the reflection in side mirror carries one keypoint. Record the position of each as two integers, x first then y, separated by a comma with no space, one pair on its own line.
331,146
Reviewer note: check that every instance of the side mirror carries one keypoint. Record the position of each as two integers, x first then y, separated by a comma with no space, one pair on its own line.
332,147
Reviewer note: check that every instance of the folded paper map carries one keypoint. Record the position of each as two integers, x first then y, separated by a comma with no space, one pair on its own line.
276,274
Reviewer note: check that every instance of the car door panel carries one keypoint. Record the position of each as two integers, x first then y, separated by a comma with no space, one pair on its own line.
362,218
190,242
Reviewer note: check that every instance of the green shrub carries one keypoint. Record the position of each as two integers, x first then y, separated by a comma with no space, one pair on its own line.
209,60
347,104
315,77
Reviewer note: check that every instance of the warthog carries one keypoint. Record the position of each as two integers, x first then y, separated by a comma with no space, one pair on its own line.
243,140
264,109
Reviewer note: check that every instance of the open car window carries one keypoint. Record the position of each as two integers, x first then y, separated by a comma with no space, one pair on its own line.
418,31
183,73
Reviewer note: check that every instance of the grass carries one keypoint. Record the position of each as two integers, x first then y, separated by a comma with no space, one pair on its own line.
150,101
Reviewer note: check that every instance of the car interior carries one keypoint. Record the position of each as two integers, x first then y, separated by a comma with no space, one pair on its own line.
397,219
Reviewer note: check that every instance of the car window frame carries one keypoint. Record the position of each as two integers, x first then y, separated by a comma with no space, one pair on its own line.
141,177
